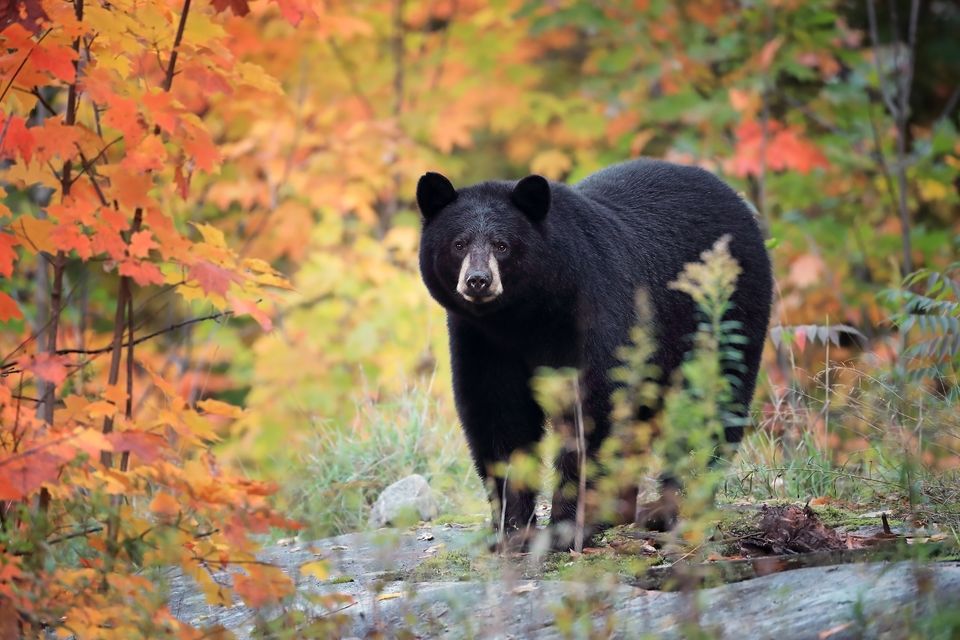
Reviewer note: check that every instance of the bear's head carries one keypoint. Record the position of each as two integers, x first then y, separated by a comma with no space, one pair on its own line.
478,244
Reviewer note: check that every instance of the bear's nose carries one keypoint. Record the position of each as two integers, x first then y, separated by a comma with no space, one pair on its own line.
478,282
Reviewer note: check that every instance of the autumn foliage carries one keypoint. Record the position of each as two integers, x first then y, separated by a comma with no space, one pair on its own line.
105,465
208,243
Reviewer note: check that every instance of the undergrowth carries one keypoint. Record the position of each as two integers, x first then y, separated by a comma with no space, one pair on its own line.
342,470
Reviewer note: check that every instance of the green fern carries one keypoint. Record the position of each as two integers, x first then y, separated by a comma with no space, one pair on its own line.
927,309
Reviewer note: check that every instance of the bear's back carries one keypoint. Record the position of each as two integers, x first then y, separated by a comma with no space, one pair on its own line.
653,188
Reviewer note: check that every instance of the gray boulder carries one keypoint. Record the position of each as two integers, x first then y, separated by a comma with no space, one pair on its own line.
411,495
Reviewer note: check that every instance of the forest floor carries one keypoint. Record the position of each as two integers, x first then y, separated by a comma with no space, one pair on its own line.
772,571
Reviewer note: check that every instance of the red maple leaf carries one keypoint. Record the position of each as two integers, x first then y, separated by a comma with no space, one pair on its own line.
147,446
143,273
55,58
48,367
239,7
22,476
211,278
9,310
18,138
7,254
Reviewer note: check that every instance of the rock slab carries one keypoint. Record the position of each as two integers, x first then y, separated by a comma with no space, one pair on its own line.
871,600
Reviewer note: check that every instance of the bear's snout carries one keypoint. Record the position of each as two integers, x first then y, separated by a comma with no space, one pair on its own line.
478,282
479,278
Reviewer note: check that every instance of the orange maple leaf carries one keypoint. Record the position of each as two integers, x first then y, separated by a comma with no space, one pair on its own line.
9,310
165,505
125,118
69,237
131,189
55,139
109,242
141,243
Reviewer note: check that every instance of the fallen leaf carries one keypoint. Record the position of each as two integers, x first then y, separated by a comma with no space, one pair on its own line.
832,631
389,596
316,569
524,588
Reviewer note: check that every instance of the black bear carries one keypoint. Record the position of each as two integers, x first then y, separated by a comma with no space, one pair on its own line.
537,273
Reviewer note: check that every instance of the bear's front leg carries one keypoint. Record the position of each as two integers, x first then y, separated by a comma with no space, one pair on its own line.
583,433
500,418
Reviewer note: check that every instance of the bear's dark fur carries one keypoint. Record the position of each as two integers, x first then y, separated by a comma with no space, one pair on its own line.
536,273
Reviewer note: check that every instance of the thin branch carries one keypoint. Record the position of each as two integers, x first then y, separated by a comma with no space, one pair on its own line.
35,92
952,102
22,64
93,178
882,158
173,327
69,536
875,41
171,67
88,164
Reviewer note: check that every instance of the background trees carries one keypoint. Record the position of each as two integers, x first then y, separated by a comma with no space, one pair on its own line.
209,206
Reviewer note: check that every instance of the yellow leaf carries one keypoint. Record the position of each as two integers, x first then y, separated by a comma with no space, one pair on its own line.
254,76
216,594
934,190
25,174
258,265
34,234
551,164
218,408
91,441
198,424
389,596
317,569
271,280
166,389
211,235
101,409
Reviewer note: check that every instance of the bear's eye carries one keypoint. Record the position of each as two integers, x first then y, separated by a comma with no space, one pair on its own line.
458,245
501,247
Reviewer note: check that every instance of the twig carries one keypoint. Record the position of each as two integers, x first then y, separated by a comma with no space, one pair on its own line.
173,327
64,538
23,63
582,468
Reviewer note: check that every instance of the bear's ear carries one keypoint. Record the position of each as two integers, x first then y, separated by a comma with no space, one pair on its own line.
532,196
434,192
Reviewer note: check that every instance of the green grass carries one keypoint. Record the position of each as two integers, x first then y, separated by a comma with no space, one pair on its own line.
344,469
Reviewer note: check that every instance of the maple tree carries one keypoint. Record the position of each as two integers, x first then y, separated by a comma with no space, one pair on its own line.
102,137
